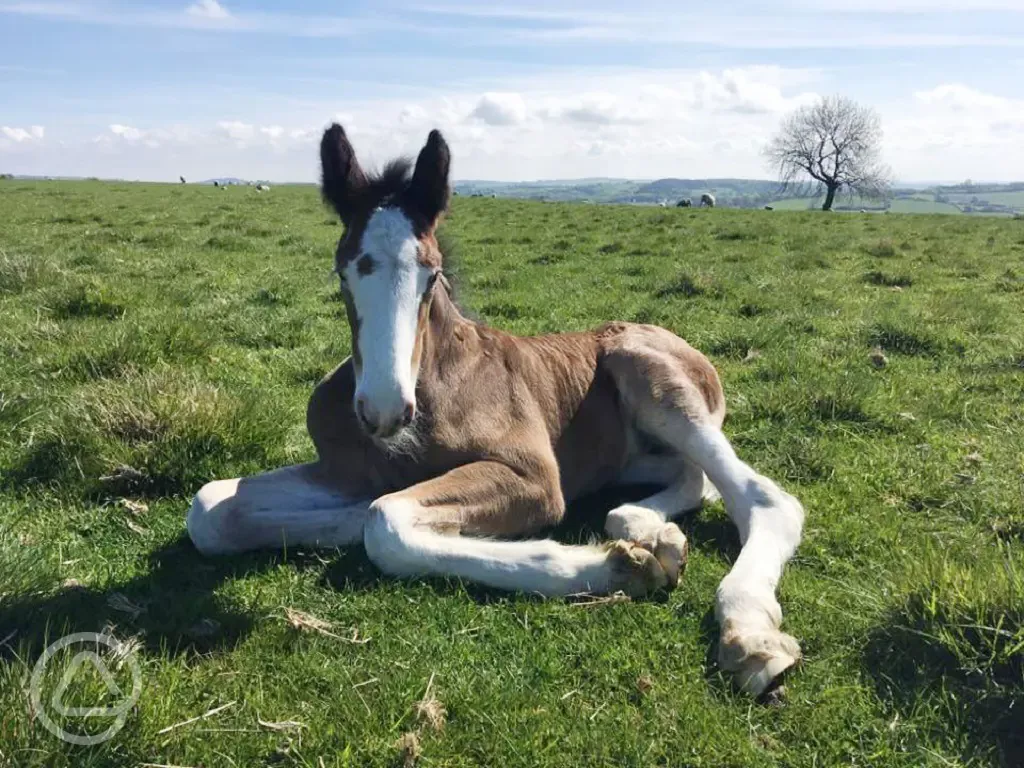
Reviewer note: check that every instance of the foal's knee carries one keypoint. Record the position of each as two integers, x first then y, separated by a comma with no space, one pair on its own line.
384,533
209,520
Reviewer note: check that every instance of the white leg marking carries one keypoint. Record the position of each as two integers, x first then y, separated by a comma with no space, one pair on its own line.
769,522
280,508
398,546
692,486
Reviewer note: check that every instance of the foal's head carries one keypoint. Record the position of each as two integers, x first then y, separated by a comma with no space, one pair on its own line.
388,260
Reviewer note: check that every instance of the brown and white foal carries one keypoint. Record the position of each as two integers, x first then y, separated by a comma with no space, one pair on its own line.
440,439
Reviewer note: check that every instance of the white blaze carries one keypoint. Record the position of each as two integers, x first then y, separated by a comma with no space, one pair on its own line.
387,303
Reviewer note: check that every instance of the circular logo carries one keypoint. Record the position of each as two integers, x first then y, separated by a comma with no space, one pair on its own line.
99,670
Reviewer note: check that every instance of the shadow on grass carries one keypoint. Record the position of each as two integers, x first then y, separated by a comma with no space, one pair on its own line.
977,687
178,610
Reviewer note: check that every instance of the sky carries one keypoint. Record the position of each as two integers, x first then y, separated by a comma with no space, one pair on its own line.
521,90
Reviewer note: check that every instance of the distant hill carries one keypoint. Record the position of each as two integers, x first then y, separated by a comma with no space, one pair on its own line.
980,198
737,193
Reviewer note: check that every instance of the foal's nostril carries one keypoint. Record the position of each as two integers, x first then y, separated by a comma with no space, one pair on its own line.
408,414
362,414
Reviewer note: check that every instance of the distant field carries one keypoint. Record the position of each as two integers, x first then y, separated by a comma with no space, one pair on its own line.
900,205
922,206
1013,199
795,204
156,337
814,204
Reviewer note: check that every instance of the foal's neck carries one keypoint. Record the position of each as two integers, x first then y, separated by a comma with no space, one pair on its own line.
446,327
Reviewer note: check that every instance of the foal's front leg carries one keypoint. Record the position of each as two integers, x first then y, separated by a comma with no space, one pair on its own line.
416,532
285,507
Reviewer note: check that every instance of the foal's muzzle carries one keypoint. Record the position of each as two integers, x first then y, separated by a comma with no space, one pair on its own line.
383,425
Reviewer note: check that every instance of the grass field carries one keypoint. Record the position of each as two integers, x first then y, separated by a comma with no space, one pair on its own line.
1013,199
814,204
899,205
155,337
922,206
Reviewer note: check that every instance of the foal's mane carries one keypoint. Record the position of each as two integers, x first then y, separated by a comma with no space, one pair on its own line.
390,182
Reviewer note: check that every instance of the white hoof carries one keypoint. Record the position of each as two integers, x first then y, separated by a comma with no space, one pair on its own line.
756,658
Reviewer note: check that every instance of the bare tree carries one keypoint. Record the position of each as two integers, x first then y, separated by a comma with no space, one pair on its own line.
834,143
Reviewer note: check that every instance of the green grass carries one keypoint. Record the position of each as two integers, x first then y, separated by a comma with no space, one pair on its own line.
155,337
899,205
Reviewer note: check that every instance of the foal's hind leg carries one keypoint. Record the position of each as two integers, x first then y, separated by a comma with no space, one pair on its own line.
770,523
658,379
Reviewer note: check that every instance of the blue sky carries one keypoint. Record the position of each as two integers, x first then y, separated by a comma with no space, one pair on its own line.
522,90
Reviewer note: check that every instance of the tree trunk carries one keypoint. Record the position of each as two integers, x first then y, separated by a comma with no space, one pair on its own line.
830,197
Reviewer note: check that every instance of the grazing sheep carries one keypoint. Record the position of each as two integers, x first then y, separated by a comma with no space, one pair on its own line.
684,203
262,187
862,210
708,200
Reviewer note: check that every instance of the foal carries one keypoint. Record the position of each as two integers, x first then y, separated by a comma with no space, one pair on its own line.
440,439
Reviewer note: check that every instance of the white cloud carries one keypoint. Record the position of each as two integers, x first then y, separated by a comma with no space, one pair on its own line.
960,98
602,108
126,132
19,135
808,24
500,109
237,131
625,123
639,123
794,24
208,9
953,131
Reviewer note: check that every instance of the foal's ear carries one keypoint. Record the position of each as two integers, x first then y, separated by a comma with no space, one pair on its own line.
428,190
342,179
